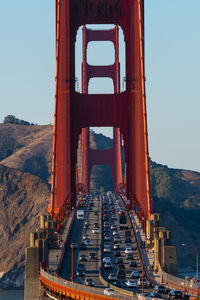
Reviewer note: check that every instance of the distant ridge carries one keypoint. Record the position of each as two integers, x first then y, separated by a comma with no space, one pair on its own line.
25,171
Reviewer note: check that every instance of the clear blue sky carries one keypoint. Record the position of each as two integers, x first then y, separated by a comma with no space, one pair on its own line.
27,60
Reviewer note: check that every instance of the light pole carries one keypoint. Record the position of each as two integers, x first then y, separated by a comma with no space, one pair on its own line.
72,263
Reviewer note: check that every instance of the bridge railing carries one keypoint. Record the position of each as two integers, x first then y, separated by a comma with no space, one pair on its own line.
178,283
61,286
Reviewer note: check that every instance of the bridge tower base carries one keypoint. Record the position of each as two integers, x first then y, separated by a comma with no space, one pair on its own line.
32,286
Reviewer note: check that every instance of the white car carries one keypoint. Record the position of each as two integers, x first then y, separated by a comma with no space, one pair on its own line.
131,283
113,227
95,230
115,232
87,242
107,249
109,292
128,251
106,259
86,236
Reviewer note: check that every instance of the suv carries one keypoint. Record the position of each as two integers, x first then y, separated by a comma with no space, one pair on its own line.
121,274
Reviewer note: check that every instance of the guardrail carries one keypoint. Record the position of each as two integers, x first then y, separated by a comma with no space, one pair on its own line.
171,281
60,286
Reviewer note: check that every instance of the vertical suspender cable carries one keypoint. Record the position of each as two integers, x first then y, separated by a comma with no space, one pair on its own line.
55,111
144,112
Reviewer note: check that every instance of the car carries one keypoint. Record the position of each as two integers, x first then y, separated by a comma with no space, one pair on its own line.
117,283
129,256
83,257
121,274
86,236
141,281
74,245
155,295
107,244
144,294
135,274
113,227
112,277
175,294
87,242
107,249
133,264
128,251
83,246
130,284
113,217
117,239
107,237
116,247
109,292
127,233
80,273
108,265
106,259
160,289
95,230
80,267
115,232
121,266
89,281
92,255
117,253
119,260
128,240
128,246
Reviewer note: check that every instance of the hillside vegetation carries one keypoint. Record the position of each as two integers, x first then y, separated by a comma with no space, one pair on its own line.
25,173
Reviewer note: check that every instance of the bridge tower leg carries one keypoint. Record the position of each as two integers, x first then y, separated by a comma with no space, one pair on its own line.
88,72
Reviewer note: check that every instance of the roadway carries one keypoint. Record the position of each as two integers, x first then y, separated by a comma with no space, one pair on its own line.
104,215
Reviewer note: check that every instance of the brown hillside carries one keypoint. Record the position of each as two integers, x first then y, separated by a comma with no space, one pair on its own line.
23,198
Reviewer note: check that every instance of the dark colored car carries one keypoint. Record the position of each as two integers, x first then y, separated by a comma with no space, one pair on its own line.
81,267
89,282
129,256
175,294
133,264
127,233
80,273
117,253
155,295
160,289
128,240
83,246
121,266
93,255
121,274
119,260
117,283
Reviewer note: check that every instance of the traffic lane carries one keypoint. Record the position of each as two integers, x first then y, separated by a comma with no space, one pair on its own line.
92,266
122,244
75,237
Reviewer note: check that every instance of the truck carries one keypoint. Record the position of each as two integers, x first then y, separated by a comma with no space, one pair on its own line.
80,214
